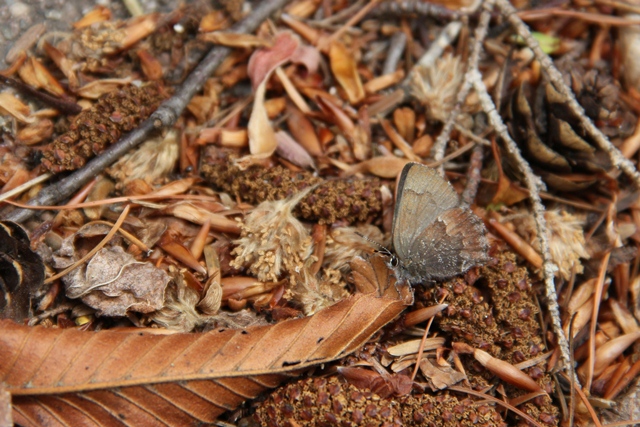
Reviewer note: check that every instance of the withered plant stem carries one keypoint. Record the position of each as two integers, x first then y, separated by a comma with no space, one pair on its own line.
473,176
164,117
534,185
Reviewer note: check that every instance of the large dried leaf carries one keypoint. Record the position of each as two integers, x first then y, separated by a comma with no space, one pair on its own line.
69,377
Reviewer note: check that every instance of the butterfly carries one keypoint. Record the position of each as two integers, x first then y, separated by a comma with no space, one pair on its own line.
433,236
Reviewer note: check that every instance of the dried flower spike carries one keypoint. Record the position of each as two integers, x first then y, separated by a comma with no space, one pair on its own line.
95,129
350,200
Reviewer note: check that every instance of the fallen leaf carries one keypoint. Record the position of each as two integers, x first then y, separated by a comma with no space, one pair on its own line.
96,89
114,283
289,149
383,166
11,105
440,377
62,377
6,418
345,71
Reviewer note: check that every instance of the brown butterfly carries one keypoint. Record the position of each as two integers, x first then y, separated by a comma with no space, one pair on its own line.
433,236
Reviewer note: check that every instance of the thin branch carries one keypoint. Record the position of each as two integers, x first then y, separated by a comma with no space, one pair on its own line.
617,159
396,48
534,184
473,176
164,117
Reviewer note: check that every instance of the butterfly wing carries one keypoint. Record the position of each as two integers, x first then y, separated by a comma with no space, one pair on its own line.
421,196
453,243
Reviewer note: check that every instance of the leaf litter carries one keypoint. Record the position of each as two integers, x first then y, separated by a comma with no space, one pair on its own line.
258,207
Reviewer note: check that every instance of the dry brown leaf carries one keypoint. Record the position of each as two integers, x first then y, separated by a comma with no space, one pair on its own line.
68,377
113,282
262,138
35,74
289,149
150,65
383,166
6,418
199,215
63,63
440,377
99,14
345,71
214,21
303,131
35,132
11,105
508,193
97,88
139,28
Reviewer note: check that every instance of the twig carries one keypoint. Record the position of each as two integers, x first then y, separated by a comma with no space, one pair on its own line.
617,159
473,176
165,116
534,185
397,45
353,20
481,33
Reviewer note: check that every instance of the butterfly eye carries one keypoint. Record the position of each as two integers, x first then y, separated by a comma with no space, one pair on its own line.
393,261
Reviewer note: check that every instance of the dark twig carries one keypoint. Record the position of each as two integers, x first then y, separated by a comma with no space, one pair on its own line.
165,116
473,177
65,107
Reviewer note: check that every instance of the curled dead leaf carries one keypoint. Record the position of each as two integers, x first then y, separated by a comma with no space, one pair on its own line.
114,283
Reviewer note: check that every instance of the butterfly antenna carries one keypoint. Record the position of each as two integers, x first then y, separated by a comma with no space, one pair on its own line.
381,249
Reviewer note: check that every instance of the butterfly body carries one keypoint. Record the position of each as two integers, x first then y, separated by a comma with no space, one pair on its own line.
433,236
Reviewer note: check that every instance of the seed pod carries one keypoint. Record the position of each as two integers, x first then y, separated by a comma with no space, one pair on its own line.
506,371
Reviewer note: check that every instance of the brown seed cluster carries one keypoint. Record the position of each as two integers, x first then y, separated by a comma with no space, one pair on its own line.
347,201
332,402
93,130
503,322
